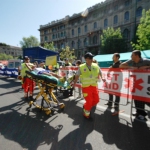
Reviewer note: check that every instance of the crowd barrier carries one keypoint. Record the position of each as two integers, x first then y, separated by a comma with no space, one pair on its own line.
128,84
9,72
131,84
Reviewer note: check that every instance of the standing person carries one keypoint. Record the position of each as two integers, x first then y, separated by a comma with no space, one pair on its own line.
89,73
42,64
78,63
67,63
116,64
28,84
137,62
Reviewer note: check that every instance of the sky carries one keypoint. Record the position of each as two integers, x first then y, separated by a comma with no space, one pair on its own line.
22,18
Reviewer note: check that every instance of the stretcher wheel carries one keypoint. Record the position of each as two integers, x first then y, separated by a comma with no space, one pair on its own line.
61,105
37,106
30,103
48,112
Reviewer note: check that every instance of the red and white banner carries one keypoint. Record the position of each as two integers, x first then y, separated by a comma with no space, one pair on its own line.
134,84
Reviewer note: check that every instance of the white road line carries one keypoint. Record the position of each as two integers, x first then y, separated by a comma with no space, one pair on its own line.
120,114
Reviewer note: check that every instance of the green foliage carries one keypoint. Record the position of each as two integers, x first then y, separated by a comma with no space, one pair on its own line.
29,42
112,41
143,32
67,53
19,57
50,46
3,56
3,44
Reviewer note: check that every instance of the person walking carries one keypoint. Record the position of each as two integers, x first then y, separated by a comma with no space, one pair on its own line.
28,84
116,64
89,73
137,62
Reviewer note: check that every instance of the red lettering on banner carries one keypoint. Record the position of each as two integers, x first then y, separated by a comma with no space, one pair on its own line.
116,76
133,83
110,76
113,86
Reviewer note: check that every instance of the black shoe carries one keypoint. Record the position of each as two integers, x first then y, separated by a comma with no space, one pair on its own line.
140,117
31,98
116,105
25,98
108,103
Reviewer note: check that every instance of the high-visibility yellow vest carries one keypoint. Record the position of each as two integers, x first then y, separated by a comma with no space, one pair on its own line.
24,68
89,77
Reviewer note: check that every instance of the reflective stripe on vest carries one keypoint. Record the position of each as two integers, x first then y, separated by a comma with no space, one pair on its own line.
89,77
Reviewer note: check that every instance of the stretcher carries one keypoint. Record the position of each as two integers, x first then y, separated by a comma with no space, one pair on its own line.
46,85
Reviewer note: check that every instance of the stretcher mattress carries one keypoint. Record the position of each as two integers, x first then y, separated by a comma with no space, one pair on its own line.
47,79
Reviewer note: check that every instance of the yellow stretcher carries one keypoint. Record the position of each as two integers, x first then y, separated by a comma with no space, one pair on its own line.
46,85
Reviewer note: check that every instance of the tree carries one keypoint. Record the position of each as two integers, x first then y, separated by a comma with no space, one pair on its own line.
3,56
50,46
143,32
29,42
112,41
67,53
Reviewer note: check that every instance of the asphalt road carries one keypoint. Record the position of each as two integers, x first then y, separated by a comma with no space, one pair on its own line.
30,129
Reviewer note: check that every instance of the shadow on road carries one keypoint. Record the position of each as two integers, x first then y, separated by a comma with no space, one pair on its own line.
31,130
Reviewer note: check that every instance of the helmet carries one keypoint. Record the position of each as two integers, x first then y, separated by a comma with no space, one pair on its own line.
88,55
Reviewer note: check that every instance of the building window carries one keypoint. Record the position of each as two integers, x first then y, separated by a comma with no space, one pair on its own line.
79,30
53,36
46,38
138,0
79,43
73,44
45,32
115,7
95,15
85,28
58,35
62,34
105,23
115,19
62,45
126,16
139,12
72,31
85,42
127,3
79,21
95,25
95,39
126,34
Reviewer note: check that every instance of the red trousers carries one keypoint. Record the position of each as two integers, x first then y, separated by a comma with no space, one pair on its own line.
91,97
28,85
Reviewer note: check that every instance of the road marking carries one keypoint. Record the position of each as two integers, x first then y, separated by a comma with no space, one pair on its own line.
120,114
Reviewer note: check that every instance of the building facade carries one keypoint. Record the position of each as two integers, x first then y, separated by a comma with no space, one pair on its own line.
82,32
11,50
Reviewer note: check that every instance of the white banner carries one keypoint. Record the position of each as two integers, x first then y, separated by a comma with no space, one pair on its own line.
134,84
